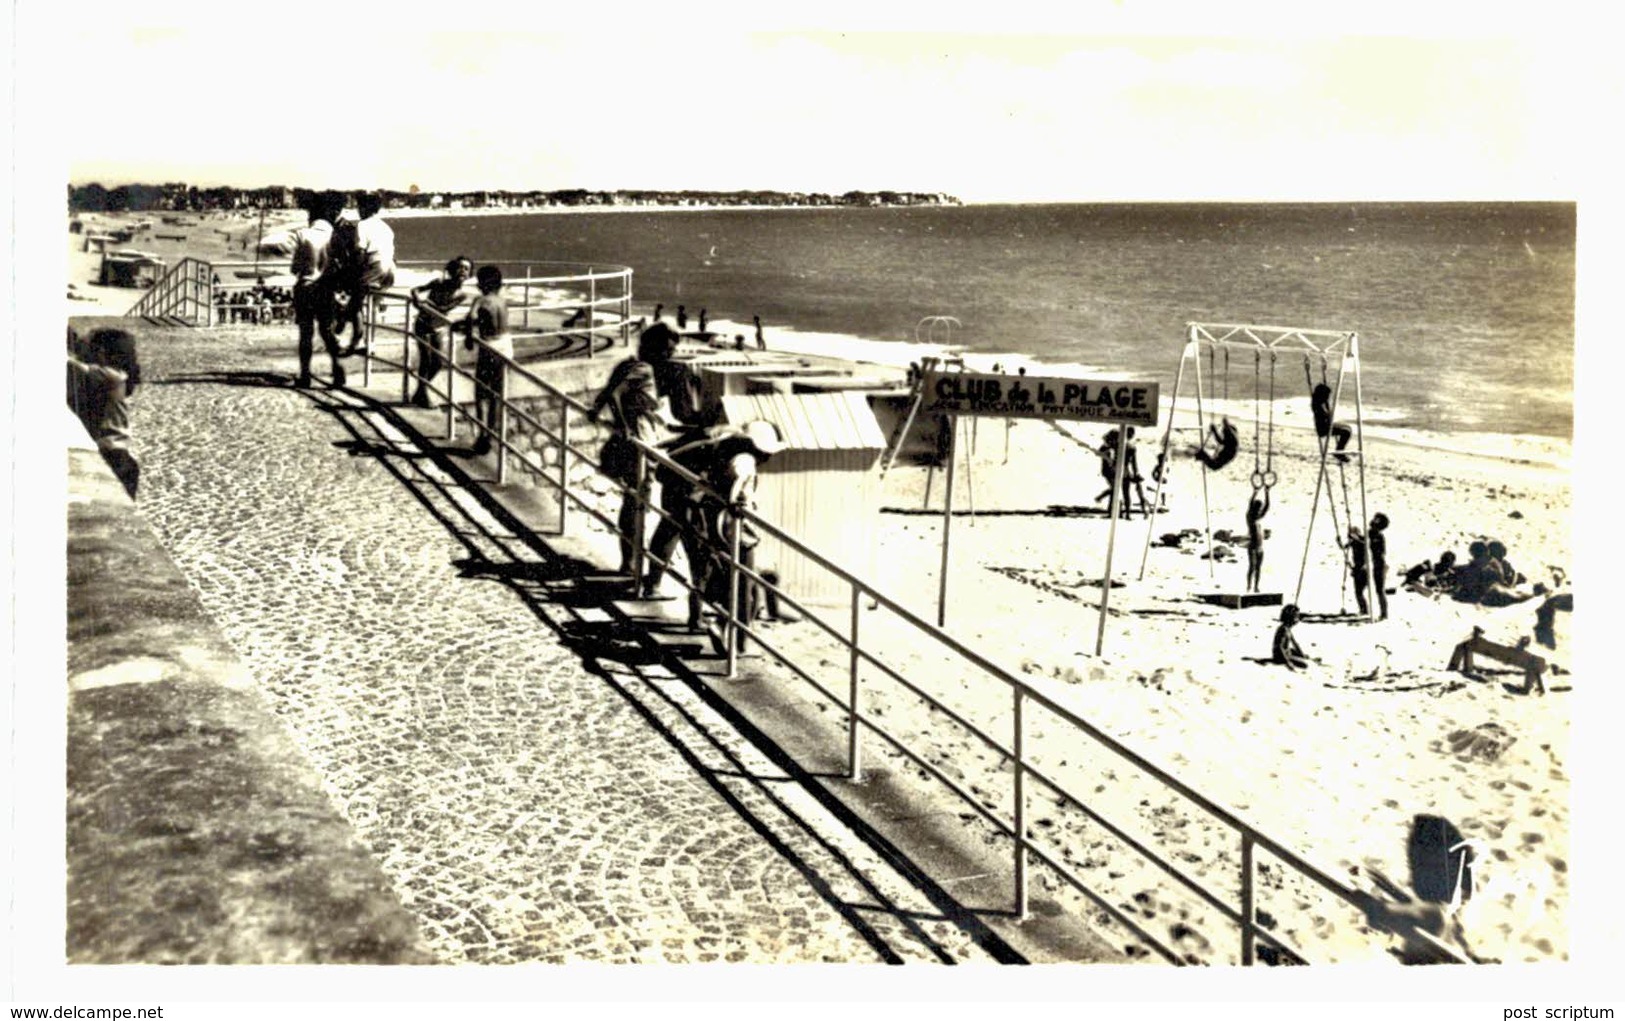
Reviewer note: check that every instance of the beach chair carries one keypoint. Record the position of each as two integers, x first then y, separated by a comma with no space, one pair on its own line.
1533,666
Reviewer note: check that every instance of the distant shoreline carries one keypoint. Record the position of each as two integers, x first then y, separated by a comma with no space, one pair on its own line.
416,214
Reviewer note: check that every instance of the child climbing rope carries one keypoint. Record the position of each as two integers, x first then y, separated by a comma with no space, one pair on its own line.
1320,404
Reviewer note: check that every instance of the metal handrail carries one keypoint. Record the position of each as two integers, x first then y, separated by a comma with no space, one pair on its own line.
1251,836
175,293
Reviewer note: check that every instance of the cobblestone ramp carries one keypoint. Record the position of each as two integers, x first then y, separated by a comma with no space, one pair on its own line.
528,802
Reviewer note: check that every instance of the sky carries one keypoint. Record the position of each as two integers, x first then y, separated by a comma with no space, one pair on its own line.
1107,101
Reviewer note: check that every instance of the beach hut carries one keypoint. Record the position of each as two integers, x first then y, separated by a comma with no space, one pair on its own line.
731,377
823,487
130,269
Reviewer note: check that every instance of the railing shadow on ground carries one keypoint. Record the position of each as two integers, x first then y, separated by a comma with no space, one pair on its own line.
565,593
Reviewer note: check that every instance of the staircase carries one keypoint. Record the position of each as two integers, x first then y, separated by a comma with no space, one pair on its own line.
183,297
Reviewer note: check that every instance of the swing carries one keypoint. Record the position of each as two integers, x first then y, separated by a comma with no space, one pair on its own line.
1276,340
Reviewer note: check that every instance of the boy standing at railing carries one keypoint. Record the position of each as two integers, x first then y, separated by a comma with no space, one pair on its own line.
488,323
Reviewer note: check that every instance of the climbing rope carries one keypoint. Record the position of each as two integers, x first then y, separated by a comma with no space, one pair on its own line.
1263,477
1269,451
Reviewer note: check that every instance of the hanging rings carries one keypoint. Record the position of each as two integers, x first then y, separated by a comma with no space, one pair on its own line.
1263,479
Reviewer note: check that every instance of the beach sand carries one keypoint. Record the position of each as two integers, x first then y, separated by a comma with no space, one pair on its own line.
1334,762
214,236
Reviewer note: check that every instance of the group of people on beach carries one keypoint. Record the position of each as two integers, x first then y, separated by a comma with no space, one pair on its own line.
1486,579
261,303
703,332
651,402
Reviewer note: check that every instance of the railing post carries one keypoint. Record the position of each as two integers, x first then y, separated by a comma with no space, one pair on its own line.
564,461
366,339
854,749
641,524
406,354
1248,913
525,320
947,523
1020,806
501,397
626,307
451,386
731,622
592,299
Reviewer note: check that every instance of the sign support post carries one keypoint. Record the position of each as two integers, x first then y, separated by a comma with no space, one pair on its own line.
947,523
1111,536
1115,402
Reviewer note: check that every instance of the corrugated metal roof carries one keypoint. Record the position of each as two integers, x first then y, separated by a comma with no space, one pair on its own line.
838,421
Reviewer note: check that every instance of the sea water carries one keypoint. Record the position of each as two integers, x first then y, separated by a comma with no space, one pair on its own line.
1464,311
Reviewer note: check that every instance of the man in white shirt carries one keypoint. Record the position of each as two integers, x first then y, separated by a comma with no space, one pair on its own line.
312,294
366,251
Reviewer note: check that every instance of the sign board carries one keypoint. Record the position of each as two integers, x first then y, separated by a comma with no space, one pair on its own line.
1087,400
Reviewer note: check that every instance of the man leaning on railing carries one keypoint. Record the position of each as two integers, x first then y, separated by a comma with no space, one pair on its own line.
363,261
725,459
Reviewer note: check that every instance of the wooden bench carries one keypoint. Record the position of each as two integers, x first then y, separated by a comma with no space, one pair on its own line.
1533,666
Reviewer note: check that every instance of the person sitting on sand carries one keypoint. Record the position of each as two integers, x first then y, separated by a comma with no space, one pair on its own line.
1473,576
1256,510
1493,582
1435,577
1500,565
1229,443
1285,649
1444,570
1488,580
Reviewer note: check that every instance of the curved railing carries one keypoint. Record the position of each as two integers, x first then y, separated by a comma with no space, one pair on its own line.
538,291
1028,776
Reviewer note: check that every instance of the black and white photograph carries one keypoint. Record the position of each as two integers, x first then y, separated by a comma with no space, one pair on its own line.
691,491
